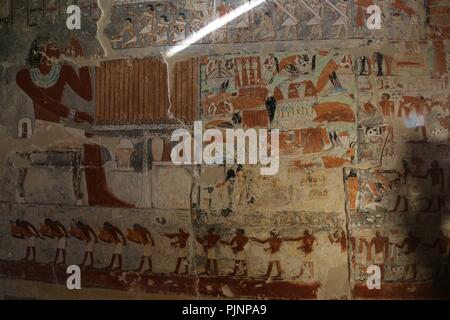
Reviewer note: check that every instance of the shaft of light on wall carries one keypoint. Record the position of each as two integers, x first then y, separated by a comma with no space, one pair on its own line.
213,26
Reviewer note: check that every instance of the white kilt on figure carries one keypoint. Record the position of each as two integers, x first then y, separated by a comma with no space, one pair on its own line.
241,255
211,253
118,248
147,250
420,121
32,241
90,246
179,36
340,22
61,244
148,29
275,257
414,120
183,252
379,258
307,257
314,21
308,265
289,22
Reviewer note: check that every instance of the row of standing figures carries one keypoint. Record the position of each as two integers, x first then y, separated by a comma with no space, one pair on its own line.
140,235
239,244
151,26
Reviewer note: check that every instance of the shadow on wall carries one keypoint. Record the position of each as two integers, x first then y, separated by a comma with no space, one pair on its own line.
402,224
425,196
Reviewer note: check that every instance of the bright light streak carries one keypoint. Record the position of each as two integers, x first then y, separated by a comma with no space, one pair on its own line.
213,26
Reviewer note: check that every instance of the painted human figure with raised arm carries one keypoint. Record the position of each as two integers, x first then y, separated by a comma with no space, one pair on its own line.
22,229
209,243
275,243
181,242
307,245
239,245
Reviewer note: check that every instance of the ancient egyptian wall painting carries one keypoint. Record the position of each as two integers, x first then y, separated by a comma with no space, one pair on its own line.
396,107
138,24
44,13
87,179
396,222
395,209
310,97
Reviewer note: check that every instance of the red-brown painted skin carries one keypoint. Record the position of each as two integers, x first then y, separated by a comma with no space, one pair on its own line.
47,101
